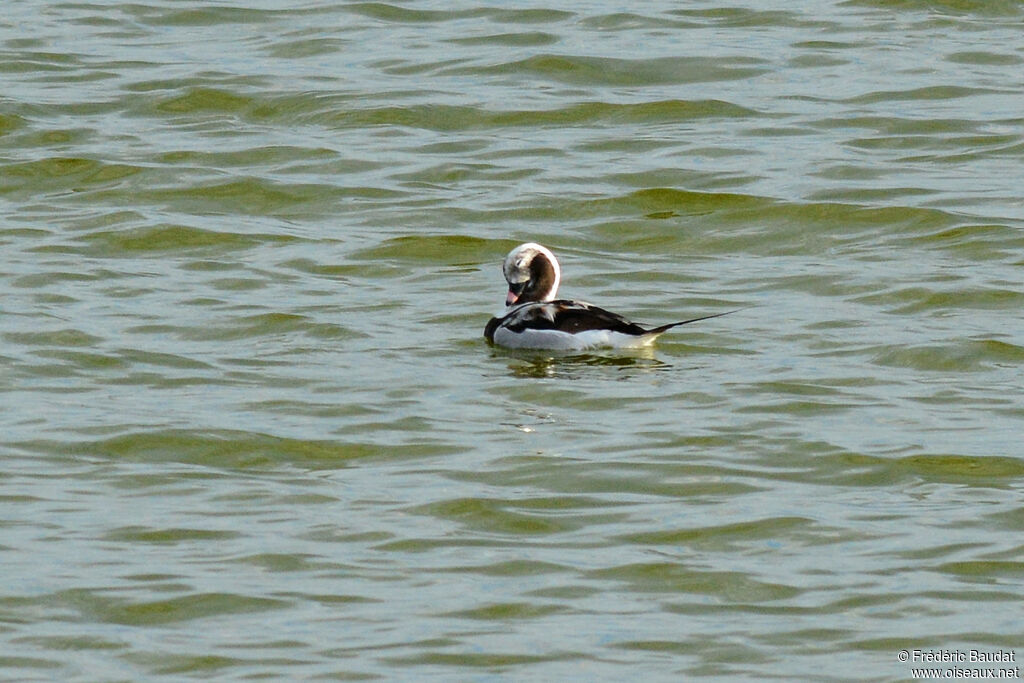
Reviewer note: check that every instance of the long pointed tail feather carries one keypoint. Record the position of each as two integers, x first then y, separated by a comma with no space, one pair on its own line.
655,331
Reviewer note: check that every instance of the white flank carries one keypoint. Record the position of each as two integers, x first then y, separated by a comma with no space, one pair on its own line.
557,340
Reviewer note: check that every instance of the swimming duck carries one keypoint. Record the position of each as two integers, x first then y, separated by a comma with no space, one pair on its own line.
534,319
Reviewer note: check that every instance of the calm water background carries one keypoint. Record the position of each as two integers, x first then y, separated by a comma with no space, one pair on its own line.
249,425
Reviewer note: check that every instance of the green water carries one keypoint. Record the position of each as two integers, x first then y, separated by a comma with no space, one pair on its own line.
249,425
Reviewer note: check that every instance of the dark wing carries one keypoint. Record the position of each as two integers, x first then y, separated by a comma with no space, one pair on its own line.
567,316
573,317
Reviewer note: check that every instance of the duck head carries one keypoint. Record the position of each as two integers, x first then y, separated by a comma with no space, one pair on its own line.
532,274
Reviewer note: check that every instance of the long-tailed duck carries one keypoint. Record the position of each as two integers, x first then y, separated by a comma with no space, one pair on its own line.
534,319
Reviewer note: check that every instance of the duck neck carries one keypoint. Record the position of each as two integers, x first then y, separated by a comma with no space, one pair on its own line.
544,277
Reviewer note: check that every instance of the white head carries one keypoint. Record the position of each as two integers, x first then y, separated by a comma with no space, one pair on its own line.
532,274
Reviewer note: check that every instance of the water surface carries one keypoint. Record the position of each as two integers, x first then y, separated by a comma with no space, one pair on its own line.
249,424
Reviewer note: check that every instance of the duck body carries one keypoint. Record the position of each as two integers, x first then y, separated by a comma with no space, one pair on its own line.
534,319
